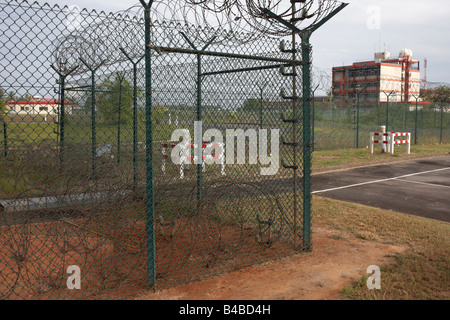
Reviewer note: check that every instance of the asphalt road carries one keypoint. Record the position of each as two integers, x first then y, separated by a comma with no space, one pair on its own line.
418,187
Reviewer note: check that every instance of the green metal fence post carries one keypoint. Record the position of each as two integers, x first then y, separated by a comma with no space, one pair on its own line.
5,138
405,117
333,114
387,114
93,116
357,117
307,146
313,115
150,206
306,83
442,122
121,78
134,63
357,121
387,108
415,118
198,150
63,74
199,143
378,114
436,113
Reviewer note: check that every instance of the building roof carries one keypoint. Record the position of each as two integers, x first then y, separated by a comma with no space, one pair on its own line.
39,101
364,64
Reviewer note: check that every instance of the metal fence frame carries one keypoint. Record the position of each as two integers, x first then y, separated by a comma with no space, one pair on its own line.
34,219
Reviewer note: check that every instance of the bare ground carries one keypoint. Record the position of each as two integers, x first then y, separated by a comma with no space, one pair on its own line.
336,261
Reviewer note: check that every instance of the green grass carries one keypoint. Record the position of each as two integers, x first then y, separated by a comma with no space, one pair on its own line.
422,272
30,133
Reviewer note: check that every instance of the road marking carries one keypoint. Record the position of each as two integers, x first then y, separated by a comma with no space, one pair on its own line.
377,181
425,183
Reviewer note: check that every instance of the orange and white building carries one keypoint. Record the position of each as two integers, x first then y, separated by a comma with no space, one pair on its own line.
40,106
397,77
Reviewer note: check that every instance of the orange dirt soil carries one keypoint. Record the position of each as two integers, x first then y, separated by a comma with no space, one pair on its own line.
334,262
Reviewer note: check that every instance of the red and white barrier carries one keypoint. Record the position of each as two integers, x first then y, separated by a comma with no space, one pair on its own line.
379,138
186,160
393,142
388,139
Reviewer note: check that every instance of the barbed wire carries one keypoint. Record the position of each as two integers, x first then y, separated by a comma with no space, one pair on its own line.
253,14
226,22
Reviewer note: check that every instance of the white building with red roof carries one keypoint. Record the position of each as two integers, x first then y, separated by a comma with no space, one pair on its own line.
41,106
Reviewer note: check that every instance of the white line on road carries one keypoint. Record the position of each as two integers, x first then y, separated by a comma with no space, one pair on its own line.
425,183
377,181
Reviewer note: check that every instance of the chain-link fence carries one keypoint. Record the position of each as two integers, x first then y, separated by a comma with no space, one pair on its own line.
144,154
340,127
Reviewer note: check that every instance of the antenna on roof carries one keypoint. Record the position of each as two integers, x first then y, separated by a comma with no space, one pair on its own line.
379,40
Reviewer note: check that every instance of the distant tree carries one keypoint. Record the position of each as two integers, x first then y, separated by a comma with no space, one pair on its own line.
3,107
440,95
160,113
25,98
11,96
251,105
114,96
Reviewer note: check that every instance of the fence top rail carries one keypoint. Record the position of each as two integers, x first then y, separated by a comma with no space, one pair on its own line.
226,55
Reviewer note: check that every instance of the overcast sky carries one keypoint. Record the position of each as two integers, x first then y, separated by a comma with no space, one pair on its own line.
362,28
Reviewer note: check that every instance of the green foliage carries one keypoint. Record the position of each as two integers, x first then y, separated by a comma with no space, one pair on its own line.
3,108
159,113
117,97
114,97
440,95
251,105
25,98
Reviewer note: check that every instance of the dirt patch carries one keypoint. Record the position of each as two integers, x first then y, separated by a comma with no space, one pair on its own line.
111,252
335,262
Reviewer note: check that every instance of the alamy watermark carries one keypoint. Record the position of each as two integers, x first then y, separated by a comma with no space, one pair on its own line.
235,147
373,21
374,280
74,280
73,20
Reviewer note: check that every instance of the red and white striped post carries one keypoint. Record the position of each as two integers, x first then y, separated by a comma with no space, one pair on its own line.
383,145
186,160
379,138
393,142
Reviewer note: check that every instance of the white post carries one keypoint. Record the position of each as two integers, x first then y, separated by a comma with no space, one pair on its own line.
222,159
408,146
182,170
184,160
383,145
164,160
391,143
183,163
203,162
371,139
